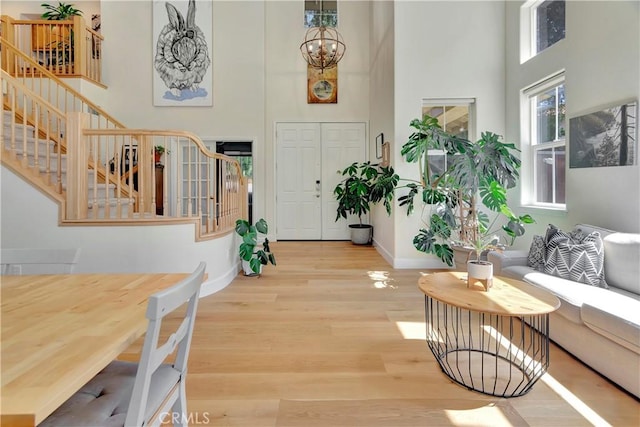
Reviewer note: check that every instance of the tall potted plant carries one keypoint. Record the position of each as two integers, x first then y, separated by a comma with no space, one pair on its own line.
364,184
476,173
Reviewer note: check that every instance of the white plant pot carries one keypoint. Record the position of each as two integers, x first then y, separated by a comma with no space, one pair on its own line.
479,271
361,234
246,268
482,270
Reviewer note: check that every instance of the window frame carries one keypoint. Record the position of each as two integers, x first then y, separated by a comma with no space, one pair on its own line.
528,33
530,146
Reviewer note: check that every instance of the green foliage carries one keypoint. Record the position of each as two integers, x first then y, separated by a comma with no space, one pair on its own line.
61,12
364,184
160,149
488,167
250,249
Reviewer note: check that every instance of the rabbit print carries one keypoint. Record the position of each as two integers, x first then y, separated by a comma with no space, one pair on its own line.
182,56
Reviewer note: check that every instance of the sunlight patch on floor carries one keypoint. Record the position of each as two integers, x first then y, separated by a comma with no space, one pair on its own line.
381,280
578,405
490,415
412,330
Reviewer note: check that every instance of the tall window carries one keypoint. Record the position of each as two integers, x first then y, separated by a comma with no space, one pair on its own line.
549,23
547,124
542,25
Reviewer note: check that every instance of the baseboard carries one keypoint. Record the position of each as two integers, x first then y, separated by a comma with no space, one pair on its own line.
426,262
219,283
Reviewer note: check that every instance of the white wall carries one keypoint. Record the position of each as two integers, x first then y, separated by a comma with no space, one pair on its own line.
161,249
444,49
601,56
381,89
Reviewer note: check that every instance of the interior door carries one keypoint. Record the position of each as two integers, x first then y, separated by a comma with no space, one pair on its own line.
298,163
308,157
342,144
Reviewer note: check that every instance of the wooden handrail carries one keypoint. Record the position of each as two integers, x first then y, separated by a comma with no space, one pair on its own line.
68,47
194,183
12,51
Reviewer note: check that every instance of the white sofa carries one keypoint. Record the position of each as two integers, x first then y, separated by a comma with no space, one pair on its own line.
599,326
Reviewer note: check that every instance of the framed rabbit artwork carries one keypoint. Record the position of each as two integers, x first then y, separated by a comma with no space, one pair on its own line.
182,53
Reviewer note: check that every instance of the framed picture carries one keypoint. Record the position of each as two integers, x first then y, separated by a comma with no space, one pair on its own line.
379,142
182,52
322,87
386,154
606,137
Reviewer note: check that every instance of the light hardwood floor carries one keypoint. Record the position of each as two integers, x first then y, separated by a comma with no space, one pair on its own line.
333,336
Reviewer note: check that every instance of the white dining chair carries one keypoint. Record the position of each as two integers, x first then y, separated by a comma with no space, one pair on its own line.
18,261
152,391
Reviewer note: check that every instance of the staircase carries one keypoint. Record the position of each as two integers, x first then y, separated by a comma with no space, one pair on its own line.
36,153
71,150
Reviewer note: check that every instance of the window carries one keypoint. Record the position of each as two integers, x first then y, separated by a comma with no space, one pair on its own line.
454,115
320,12
546,139
542,25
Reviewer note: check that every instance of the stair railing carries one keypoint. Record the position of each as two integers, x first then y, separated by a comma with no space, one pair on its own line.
31,135
66,48
48,86
187,183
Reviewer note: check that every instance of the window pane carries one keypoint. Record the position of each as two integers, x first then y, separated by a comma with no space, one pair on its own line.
550,115
550,175
549,23
454,119
561,112
317,13
546,116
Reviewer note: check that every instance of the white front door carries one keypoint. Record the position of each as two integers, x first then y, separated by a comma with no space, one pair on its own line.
308,157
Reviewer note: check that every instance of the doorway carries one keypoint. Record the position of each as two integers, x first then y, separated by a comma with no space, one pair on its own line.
308,156
242,152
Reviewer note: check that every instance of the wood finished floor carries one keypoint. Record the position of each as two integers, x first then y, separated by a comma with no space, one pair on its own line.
333,336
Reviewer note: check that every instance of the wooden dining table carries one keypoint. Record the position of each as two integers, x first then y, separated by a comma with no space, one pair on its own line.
59,331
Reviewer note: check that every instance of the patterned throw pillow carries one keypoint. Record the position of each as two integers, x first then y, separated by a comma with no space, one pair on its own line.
581,261
537,253
553,238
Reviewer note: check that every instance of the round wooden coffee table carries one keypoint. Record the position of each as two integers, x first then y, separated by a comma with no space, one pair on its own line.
494,342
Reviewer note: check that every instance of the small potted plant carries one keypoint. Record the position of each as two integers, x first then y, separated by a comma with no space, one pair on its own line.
158,151
252,255
364,184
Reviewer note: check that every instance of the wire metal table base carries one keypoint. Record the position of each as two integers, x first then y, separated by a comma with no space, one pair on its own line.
493,354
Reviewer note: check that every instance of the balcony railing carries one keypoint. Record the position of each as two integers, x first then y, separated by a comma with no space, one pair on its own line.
66,48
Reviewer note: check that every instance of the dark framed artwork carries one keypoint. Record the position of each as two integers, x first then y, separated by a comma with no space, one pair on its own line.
607,137
379,142
322,86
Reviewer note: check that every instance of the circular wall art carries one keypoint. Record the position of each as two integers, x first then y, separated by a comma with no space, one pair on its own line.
323,89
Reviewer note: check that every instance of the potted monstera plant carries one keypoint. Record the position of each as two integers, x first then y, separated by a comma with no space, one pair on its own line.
476,176
363,185
254,249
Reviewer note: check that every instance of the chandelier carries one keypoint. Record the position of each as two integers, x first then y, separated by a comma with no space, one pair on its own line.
323,47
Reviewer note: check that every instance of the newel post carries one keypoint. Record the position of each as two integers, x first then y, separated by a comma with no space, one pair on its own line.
79,46
8,33
77,166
